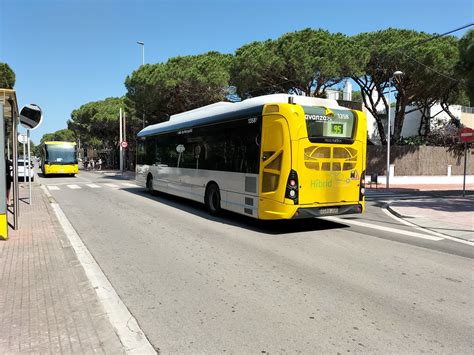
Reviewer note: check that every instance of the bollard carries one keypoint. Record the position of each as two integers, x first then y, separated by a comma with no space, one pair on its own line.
449,170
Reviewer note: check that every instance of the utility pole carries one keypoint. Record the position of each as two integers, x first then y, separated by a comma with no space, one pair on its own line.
120,142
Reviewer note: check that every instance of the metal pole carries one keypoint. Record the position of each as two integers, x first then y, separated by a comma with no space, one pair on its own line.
124,125
29,165
16,210
388,134
120,142
125,138
24,160
465,171
143,51
4,169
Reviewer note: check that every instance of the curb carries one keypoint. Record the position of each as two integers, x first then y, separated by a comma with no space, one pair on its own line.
125,325
444,235
395,213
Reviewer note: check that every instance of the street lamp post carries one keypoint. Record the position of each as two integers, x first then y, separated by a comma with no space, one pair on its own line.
143,51
143,63
389,129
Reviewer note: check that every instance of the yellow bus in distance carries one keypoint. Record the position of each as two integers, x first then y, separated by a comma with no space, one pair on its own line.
59,158
269,157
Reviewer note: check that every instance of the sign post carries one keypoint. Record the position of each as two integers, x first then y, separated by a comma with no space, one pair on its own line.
31,117
466,135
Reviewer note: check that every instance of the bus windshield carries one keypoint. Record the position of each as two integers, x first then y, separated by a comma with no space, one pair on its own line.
61,154
321,126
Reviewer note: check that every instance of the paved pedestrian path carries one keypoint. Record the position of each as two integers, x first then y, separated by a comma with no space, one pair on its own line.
449,216
47,304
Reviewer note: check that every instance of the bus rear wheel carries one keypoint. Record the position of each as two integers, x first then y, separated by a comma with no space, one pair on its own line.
212,199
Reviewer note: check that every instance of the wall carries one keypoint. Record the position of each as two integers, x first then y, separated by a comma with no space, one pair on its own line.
467,118
412,161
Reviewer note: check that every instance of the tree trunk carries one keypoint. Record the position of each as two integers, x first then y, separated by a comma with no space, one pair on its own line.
399,119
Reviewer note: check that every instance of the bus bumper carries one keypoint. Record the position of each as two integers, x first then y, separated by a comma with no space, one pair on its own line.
289,211
61,169
328,211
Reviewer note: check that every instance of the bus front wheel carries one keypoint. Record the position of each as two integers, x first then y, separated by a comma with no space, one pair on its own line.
213,199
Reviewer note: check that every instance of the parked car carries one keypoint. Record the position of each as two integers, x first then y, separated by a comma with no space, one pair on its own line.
23,170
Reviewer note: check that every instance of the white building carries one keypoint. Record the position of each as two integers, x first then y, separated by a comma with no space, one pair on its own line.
411,124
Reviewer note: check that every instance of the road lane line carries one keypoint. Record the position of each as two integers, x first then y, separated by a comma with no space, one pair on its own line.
74,187
382,228
52,187
94,186
125,325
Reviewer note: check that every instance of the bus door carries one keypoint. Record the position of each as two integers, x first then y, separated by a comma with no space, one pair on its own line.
275,157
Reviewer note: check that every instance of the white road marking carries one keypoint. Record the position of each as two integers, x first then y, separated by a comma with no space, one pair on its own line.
382,228
113,186
52,187
73,187
443,236
125,325
94,186
129,184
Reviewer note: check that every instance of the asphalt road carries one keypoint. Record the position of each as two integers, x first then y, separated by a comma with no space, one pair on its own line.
196,283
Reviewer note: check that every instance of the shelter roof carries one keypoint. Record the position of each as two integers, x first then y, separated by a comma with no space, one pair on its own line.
7,95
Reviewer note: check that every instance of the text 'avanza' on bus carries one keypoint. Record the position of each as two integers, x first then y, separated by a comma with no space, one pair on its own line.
270,157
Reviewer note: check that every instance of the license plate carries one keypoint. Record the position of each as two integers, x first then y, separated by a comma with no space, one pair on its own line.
327,211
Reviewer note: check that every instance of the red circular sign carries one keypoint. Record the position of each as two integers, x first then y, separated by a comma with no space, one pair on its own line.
124,144
467,134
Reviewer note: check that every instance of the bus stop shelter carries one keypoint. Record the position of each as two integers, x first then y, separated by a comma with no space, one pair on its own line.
8,150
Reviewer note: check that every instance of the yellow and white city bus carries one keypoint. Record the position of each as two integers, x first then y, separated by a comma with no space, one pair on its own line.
270,157
59,158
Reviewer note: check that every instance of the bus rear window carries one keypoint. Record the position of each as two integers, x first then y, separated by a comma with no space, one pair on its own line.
322,127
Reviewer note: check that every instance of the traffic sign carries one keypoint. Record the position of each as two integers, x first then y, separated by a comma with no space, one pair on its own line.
124,144
466,134
22,138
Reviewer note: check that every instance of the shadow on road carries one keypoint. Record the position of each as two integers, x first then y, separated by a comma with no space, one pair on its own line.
55,176
267,227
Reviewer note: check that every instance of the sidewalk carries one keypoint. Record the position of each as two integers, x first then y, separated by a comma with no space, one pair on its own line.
450,216
47,304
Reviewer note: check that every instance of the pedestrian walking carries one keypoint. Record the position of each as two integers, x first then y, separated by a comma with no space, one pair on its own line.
92,164
99,164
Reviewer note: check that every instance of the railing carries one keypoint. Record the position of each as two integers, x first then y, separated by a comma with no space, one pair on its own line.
467,109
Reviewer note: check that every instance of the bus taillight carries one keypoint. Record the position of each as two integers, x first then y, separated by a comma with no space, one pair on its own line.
362,186
292,187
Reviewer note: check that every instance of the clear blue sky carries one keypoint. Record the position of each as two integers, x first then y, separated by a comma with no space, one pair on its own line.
66,53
